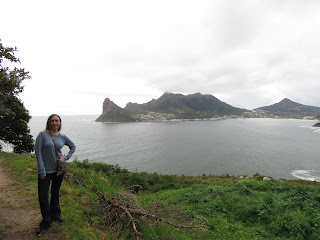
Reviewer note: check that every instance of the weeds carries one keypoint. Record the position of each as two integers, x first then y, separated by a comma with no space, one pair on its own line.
231,208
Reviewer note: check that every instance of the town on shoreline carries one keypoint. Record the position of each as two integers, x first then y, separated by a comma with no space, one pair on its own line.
169,117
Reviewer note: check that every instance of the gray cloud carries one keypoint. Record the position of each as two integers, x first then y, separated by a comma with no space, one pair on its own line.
248,53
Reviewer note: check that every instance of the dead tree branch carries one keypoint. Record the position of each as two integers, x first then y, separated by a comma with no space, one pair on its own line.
115,208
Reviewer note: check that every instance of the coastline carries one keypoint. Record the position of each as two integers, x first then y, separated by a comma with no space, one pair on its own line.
228,117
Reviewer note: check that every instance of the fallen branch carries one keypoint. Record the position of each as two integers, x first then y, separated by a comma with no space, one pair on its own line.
130,212
119,206
145,214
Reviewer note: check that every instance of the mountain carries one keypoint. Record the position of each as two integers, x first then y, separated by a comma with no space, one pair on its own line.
288,108
113,113
197,106
185,106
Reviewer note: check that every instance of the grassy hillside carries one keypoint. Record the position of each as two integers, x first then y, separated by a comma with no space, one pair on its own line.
224,207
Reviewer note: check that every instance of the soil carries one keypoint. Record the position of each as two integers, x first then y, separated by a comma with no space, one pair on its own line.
19,215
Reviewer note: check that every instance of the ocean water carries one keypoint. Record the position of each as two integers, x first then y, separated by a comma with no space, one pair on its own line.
280,148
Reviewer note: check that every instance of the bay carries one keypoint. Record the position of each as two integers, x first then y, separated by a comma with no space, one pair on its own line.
280,148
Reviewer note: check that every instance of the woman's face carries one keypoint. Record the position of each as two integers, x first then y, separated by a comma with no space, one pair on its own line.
55,123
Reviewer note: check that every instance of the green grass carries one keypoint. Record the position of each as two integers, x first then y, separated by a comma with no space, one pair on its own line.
226,206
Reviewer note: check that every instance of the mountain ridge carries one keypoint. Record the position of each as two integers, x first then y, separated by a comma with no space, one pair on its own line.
186,106
287,107
171,106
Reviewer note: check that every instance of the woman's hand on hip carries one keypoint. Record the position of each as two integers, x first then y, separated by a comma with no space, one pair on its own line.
61,160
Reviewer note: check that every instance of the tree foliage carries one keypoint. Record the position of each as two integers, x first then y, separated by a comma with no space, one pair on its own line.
14,117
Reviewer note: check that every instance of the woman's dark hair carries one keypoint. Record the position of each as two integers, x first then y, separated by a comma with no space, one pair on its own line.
49,121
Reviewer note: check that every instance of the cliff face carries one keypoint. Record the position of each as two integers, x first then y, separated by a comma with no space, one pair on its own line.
108,105
113,113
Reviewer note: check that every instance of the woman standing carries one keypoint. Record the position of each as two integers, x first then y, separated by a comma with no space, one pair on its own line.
48,145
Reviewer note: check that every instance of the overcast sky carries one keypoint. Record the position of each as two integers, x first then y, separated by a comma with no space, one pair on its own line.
247,53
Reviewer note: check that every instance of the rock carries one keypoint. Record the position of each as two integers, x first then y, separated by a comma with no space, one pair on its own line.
113,113
108,105
244,176
266,179
316,125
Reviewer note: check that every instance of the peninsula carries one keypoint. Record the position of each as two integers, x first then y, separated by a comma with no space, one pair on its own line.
178,107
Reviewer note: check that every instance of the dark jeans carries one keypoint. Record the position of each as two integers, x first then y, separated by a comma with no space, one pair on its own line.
51,210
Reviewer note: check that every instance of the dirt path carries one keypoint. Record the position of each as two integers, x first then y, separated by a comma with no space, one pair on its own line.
19,218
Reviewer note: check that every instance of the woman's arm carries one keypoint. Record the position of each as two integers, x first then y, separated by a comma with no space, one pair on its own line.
71,146
38,150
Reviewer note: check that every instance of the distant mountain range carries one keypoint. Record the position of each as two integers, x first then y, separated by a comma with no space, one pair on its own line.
196,106
286,107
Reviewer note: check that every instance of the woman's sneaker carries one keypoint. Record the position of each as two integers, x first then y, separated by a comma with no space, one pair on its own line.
41,230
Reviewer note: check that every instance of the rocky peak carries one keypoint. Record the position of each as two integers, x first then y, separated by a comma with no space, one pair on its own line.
108,106
114,113
287,101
